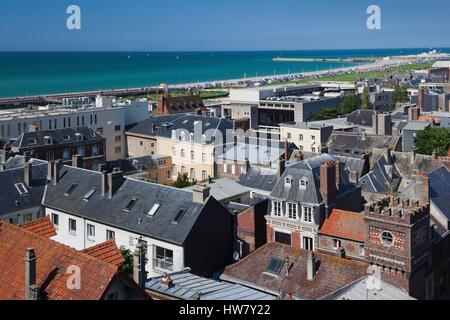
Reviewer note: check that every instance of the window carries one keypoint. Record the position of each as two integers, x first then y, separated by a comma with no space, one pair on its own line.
118,128
292,211
362,250
313,137
300,137
192,137
70,190
66,154
80,151
204,158
130,204
192,155
48,140
141,143
174,135
183,136
31,141
118,139
183,170
277,211
313,149
118,149
183,153
174,152
303,183
204,175
72,226
225,168
78,136
307,214
284,238
94,151
89,194
110,235
289,135
90,231
27,217
179,216
337,244
308,244
275,266
233,169
55,219
288,181
192,173
203,139
387,238
163,258
21,189
153,210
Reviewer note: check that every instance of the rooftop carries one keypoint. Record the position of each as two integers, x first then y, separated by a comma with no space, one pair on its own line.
345,225
224,189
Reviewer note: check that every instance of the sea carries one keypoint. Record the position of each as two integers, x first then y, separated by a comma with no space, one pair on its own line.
40,73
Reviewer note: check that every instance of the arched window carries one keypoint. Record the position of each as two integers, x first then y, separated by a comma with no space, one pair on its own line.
183,153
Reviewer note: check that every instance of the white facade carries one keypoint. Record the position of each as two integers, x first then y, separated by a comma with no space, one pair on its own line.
80,240
110,122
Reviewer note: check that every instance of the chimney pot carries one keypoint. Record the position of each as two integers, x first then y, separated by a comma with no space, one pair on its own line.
139,273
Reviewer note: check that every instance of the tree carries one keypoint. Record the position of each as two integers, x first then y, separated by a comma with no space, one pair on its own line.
325,114
433,139
350,103
400,94
183,181
127,266
365,99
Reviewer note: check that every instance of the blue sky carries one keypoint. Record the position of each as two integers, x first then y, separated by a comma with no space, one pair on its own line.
207,25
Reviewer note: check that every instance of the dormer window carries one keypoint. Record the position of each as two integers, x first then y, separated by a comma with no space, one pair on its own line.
303,183
66,138
288,181
79,136
192,137
31,141
174,135
277,209
48,140
183,136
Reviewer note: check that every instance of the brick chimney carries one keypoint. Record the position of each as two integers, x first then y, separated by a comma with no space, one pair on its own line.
338,173
310,266
77,161
201,193
421,98
328,183
423,180
27,170
114,182
139,273
413,114
281,166
31,289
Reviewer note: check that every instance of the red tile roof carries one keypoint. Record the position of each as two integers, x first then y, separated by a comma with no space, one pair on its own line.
332,274
43,227
53,260
344,224
106,251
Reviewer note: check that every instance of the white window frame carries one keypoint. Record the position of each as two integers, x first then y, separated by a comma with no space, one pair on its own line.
90,230
310,211
277,208
72,231
292,210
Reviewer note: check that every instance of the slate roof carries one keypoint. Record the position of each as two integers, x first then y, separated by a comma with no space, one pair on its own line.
130,166
106,251
43,227
353,165
344,224
23,142
259,178
348,144
165,124
111,211
310,170
224,188
416,126
362,117
440,190
10,198
52,262
187,286
332,273
378,180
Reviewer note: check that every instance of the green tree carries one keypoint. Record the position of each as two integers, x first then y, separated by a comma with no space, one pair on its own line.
127,266
433,139
183,181
400,94
325,114
365,99
350,103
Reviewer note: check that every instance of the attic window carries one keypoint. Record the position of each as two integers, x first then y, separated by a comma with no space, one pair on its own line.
32,141
303,183
70,190
21,189
89,194
66,138
48,140
275,266
179,216
153,210
288,181
79,136
131,204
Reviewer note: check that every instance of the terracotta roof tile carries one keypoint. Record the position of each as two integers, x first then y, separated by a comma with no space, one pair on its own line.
332,273
345,224
106,251
53,260
43,227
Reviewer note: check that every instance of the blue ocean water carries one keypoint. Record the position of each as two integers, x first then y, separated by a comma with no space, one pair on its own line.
38,73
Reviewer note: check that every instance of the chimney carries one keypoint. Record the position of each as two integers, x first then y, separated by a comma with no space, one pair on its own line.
33,127
31,289
247,164
281,166
421,98
387,154
27,170
139,273
424,180
338,173
50,170
77,161
286,150
328,183
114,182
201,193
413,114
104,183
57,165
167,282
310,266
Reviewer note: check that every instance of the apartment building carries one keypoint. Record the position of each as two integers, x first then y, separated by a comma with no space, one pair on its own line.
307,137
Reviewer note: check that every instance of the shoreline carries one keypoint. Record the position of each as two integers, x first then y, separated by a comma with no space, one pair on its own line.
378,65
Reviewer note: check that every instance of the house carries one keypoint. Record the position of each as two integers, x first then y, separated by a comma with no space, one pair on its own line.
175,228
184,285
192,140
64,144
307,137
356,144
168,104
260,181
410,132
37,268
305,196
21,189
225,191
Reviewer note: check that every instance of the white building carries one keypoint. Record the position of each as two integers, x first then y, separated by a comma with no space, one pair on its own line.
109,121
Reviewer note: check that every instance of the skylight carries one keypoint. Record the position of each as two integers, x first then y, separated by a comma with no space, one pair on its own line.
89,194
21,189
275,266
70,190
130,204
153,210
179,216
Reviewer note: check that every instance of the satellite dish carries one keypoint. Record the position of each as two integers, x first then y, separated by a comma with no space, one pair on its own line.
236,256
